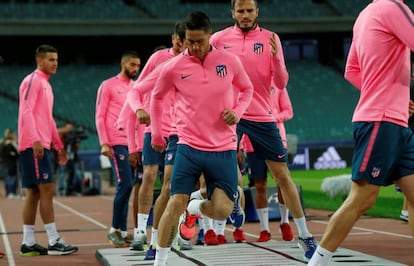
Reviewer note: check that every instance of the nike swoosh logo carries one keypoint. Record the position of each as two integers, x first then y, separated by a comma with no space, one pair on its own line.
231,220
226,47
281,156
185,76
320,254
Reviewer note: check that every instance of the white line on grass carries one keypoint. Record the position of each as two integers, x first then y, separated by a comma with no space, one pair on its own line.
80,214
8,250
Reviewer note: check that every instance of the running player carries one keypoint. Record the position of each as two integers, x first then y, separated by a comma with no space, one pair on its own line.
378,65
256,46
202,79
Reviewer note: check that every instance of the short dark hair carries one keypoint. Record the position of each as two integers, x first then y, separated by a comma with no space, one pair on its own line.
233,3
129,54
180,30
43,49
197,20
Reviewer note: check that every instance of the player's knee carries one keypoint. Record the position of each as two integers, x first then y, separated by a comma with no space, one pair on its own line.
283,180
165,191
150,173
260,186
367,204
178,203
224,211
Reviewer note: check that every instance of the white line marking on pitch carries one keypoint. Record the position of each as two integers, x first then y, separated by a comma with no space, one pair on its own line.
8,250
257,236
369,230
92,244
88,213
80,214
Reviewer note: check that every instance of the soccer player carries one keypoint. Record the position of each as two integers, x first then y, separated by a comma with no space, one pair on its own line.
202,79
139,102
378,65
256,46
109,101
258,170
37,131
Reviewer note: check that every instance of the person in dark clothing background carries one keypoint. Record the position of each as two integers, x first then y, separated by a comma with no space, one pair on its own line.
9,157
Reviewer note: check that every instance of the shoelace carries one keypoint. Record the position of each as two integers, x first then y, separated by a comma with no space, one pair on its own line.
310,243
237,209
190,219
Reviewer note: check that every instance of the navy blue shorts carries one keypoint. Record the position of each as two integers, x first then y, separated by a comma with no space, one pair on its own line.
219,168
265,139
149,155
35,171
171,150
384,152
256,166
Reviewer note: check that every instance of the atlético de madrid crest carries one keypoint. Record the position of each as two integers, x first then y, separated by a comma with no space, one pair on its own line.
221,71
258,48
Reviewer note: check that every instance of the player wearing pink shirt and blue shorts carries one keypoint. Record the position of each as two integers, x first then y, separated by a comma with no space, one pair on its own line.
203,79
283,111
261,53
378,65
109,101
139,102
38,133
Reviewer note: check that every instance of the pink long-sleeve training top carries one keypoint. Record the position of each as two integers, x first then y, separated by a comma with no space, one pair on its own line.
146,86
140,95
378,62
109,101
203,90
127,121
35,120
283,111
254,51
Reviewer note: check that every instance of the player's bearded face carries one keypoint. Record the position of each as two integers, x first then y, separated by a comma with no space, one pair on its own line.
131,67
245,13
130,74
246,25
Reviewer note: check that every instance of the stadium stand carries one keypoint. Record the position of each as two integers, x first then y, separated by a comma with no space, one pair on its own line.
322,101
8,117
268,9
349,7
110,9
82,9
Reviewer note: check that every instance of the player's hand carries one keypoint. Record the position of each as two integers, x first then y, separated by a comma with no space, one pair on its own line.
38,150
158,148
134,159
229,117
62,157
411,108
273,44
143,117
106,150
